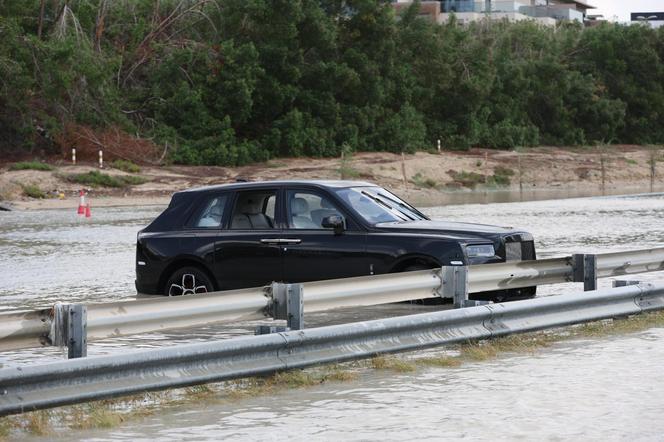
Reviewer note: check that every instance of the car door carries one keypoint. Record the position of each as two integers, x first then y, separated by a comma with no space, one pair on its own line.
248,251
312,252
202,230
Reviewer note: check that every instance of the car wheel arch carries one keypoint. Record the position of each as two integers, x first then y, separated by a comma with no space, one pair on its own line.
184,262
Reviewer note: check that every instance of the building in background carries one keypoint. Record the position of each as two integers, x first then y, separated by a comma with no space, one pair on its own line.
654,19
594,20
547,12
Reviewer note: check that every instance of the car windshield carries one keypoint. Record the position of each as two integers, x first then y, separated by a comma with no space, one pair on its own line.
377,205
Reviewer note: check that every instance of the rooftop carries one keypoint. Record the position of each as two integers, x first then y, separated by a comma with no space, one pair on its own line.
578,2
252,184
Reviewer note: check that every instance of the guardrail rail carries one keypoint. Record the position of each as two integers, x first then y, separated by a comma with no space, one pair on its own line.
78,380
105,320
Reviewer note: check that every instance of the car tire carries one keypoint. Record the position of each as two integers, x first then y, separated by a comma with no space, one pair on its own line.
188,281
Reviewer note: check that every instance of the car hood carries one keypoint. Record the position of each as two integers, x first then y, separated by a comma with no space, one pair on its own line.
446,227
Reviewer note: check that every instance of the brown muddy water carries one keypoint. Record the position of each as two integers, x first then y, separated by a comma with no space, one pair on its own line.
601,388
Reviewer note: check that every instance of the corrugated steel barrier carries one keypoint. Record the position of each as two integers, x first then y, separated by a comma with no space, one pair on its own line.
85,379
34,328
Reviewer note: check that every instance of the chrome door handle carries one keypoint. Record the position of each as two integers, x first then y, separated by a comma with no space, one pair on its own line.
281,241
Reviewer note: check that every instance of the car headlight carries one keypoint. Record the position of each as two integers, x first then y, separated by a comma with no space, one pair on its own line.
482,250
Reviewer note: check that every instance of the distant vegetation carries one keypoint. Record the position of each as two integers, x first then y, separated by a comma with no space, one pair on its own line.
501,176
98,179
424,182
126,166
228,82
31,165
467,179
33,191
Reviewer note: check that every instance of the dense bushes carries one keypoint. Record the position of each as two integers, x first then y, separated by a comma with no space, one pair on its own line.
229,82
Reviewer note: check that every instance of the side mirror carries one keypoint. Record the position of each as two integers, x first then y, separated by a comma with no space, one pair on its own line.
335,222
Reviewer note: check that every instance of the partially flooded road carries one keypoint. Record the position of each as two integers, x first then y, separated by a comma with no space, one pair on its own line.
56,255
608,388
605,389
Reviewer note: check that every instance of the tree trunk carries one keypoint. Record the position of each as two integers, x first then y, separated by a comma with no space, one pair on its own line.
40,26
99,25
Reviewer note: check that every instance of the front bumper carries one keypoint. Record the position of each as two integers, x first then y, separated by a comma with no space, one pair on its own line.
515,247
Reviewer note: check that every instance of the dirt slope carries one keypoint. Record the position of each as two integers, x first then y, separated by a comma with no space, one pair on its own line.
425,174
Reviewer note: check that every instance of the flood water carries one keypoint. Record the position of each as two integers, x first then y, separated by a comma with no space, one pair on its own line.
584,390
609,388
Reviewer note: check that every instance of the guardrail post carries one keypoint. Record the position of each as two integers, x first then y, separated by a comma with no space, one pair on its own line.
288,304
69,329
77,331
279,300
589,272
585,270
295,307
455,284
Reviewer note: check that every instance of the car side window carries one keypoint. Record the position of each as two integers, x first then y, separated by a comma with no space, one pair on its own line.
306,210
270,207
212,213
254,210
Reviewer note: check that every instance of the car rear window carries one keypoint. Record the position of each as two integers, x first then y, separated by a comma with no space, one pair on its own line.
211,213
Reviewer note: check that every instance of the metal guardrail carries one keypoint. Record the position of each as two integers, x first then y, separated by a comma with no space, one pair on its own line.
68,382
23,329
630,262
518,274
104,320
146,315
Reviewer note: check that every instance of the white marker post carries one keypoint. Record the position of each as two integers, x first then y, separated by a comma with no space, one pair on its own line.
73,156
439,146
101,159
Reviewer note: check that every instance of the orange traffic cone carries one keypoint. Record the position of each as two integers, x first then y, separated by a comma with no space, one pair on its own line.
81,202
88,214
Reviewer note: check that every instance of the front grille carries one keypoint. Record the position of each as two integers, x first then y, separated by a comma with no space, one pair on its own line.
528,250
513,251
519,251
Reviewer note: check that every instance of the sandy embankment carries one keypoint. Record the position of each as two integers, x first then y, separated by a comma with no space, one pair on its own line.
429,177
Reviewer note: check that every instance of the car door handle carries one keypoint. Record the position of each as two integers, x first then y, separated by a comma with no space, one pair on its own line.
281,241
271,241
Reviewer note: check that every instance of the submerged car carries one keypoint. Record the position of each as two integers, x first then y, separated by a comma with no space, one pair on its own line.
250,234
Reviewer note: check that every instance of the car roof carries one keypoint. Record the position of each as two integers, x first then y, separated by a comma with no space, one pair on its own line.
250,184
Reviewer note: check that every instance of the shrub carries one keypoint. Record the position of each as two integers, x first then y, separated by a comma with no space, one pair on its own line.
33,191
467,179
346,169
31,165
126,166
98,179
499,180
134,180
506,135
421,181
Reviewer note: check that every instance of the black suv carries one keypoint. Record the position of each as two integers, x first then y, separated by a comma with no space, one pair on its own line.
250,234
